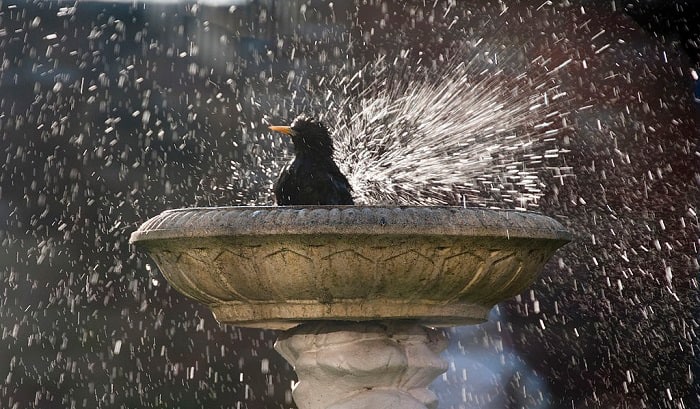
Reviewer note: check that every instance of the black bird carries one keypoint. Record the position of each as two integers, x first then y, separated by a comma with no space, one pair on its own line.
312,178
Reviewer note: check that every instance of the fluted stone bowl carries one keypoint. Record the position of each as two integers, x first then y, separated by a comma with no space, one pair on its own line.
276,267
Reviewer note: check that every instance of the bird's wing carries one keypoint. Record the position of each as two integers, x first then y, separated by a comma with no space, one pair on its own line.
341,187
340,180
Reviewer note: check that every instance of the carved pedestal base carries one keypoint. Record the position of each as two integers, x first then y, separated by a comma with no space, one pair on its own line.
364,365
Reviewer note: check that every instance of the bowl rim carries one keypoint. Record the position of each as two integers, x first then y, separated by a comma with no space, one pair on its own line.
228,221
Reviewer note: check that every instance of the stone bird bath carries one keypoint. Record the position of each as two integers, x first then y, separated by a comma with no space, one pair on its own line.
360,291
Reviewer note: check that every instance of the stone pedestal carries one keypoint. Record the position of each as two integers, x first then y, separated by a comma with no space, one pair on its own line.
357,288
364,365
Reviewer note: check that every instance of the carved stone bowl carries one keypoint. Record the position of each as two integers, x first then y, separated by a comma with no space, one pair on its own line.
276,267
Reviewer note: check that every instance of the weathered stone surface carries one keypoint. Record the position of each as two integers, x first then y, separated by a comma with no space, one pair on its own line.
275,267
350,365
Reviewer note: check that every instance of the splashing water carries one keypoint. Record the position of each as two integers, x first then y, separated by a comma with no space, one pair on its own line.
468,135
470,132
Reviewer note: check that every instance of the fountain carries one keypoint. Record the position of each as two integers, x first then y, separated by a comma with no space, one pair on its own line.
361,292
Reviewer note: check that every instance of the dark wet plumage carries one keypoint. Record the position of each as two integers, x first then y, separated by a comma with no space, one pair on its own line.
312,178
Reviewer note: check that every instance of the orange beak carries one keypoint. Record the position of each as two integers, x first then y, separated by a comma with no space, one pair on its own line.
284,129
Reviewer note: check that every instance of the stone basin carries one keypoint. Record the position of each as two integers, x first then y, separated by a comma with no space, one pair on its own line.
277,267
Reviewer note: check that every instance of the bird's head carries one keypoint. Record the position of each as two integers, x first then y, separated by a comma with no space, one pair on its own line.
308,135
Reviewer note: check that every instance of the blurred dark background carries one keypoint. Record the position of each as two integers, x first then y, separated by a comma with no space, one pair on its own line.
671,21
111,113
